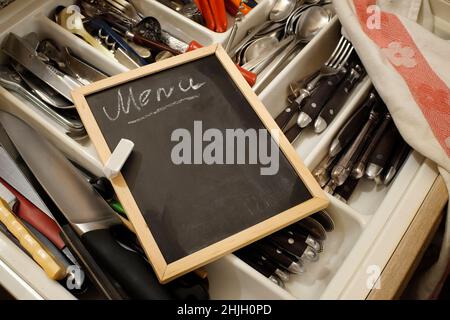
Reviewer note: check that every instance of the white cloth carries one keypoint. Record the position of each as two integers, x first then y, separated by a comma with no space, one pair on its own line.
417,18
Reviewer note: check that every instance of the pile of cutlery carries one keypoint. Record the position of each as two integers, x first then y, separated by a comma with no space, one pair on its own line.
290,250
368,146
291,24
318,99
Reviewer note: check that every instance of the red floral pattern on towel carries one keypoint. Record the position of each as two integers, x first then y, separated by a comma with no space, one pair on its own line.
428,90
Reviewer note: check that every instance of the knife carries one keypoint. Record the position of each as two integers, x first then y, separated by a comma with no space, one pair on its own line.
17,49
339,98
87,212
44,259
360,168
294,245
382,152
344,192
283,259
324,219
259,265
342,169
396,161
353,126
309,226
319,98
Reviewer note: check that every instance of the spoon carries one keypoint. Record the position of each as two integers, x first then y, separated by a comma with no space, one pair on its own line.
263,44
313,20
279,12
70,19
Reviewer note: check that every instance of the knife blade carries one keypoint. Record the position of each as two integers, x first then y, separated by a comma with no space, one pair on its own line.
16,48
87,212
10,172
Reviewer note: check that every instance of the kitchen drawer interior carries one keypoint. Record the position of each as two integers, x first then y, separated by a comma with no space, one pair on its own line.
231,278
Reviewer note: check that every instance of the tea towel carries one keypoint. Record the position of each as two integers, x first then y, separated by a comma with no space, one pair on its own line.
410,68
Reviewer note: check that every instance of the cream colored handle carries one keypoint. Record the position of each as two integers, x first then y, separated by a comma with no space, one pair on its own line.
51,267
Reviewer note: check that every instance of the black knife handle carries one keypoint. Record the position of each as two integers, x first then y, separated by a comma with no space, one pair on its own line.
95,273
275,254
255,264
383,151
356,122
346,190
287,242
340,96
293,133
322,94
132,272
285,117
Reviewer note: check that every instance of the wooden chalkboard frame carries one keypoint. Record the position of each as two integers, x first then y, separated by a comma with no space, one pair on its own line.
167,272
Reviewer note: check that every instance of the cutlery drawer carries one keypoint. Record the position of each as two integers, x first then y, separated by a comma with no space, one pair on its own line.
367,229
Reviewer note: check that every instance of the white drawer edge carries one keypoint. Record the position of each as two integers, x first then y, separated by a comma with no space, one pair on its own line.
380,239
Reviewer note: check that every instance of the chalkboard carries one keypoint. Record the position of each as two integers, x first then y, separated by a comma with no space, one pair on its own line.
188,209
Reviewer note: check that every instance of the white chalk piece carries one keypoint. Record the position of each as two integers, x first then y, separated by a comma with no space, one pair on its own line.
118,158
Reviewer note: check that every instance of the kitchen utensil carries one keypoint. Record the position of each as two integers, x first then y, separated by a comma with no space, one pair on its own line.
360,168
41,89
12,81
324,219
219,14
382,152
390,171
337,60
343,168
70,18
234,29
45,260
18,50
279,12
319,98
88,213
339,98
352,126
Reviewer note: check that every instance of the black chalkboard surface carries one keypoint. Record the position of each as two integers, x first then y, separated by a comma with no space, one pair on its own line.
195,207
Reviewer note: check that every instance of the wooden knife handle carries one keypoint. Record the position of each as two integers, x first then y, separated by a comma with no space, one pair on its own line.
51,267
35,217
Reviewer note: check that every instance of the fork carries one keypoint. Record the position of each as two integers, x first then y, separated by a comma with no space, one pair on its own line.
126,8
334,64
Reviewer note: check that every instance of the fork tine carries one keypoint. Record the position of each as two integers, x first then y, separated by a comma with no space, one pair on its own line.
335,50
345,58
341,55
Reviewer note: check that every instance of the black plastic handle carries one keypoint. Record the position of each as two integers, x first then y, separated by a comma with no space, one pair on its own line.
132,272
285,117
288,242
340,96
293,133
356,122
346,190
385,147
274,254
322,94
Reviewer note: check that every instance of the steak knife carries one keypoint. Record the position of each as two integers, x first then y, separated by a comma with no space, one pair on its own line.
87,212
